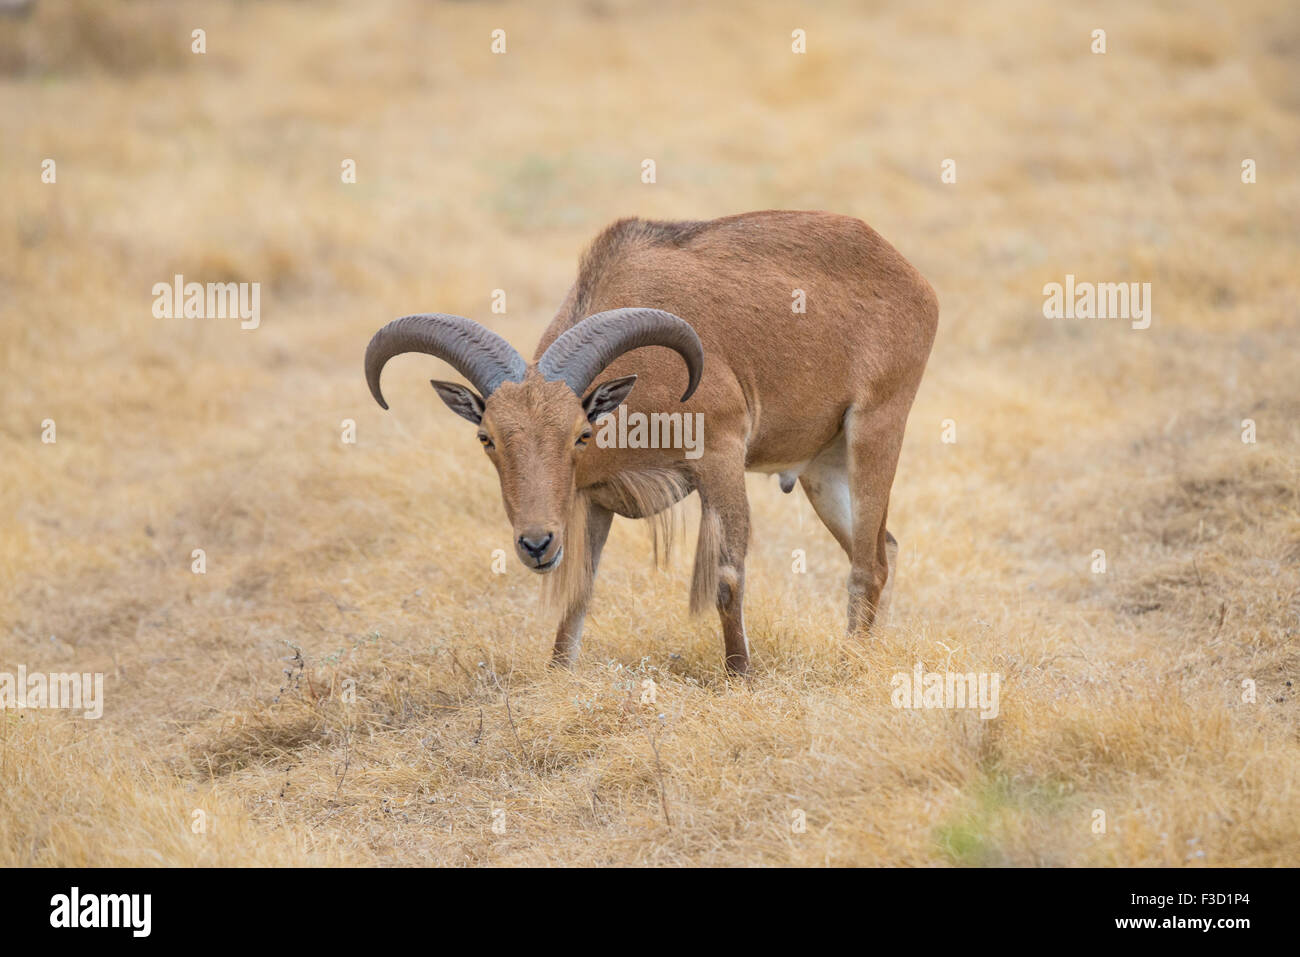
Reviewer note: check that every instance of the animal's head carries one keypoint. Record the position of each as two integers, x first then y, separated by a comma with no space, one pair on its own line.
535,421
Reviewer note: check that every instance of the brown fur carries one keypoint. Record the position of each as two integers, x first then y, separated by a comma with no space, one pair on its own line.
650,495
824,394
569,586
708,563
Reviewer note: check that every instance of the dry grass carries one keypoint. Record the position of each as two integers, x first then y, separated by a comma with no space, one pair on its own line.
373,561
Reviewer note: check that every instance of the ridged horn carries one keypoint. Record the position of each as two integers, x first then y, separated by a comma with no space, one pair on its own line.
480,355
583,352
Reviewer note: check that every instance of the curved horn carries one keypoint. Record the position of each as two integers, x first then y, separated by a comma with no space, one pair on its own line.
480,355
584,351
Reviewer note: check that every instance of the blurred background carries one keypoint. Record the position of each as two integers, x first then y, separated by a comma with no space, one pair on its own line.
477,171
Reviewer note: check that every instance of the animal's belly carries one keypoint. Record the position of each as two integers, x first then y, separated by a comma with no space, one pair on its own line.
790,450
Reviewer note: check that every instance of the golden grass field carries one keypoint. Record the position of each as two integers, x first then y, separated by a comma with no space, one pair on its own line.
1122,692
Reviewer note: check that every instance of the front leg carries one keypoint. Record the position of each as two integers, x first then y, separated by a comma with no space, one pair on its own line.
568,639
720,555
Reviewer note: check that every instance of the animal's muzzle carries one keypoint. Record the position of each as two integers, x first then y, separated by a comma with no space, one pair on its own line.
539,550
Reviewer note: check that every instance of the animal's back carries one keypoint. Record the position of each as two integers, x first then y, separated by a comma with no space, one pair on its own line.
787,304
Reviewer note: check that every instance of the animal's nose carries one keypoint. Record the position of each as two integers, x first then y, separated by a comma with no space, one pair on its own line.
535,544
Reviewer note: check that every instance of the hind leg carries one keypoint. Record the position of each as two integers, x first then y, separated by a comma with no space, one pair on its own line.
875,437
826,482
891,563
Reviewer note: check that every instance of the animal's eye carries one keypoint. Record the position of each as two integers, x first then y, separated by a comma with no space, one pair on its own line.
583,439
486,442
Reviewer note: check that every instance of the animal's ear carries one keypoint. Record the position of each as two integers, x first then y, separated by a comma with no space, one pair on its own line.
607,397
464,402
